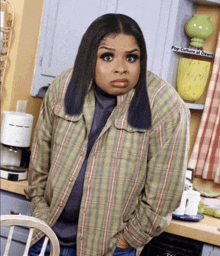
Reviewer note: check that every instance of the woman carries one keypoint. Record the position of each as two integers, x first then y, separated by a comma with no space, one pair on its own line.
109,153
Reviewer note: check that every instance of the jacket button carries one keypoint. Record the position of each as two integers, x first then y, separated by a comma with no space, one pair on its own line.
71,179
60,205
81,153
158,229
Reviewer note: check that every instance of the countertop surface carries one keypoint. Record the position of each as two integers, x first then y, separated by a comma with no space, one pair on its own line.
205,230
14,186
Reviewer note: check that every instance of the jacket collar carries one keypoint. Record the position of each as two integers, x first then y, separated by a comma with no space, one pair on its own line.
119,116
122,108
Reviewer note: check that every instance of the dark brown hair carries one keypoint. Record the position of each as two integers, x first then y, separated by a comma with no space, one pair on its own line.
84,68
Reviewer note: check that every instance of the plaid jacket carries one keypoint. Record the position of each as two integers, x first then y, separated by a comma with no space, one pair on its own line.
134,177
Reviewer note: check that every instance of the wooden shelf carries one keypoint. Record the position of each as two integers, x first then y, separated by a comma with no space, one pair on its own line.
184,50
195,106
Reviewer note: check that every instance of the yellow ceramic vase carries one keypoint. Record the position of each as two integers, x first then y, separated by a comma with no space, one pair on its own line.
192,78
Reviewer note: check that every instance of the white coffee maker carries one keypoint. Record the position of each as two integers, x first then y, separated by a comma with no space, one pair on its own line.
15,141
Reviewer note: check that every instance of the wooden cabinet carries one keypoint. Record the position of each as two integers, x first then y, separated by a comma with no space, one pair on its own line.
11,202
209,8
213,11
64,23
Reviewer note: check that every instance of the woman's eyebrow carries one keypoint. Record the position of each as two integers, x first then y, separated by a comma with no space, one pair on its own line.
112,49
134,50
107,48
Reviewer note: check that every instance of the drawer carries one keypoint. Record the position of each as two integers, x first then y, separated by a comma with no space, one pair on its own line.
18,203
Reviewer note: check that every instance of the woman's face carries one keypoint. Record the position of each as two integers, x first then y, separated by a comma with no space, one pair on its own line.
117,68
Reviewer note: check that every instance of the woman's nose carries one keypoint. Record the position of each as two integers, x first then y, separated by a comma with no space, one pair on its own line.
120,67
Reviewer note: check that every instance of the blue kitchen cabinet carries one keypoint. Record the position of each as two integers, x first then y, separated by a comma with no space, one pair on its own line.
65,22
63,25
210,250
11,202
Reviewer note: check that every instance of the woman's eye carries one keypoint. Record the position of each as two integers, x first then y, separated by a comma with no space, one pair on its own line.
107,56
132,57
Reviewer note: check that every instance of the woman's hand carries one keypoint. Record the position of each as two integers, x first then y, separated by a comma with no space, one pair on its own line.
122,243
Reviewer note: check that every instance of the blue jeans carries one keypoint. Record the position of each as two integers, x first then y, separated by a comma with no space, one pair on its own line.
66,251
36,248
124,252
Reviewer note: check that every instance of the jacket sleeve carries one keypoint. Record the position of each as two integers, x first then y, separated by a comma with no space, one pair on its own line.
40,156
167,163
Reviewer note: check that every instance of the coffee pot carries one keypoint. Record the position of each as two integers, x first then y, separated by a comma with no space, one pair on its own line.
15,144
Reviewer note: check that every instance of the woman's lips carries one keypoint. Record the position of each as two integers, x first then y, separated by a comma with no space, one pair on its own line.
121,83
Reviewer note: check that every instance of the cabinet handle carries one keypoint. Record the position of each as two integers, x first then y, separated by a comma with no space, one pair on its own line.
13,212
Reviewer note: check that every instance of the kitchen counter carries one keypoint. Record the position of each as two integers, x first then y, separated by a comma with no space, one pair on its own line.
205,230
14,186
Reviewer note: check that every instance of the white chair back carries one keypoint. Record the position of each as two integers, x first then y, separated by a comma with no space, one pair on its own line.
32,223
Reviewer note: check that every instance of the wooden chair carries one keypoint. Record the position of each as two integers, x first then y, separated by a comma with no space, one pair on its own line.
32,223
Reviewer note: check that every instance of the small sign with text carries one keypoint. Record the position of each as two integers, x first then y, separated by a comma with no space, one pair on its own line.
192,51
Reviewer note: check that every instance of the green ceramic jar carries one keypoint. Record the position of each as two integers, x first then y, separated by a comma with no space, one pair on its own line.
199,28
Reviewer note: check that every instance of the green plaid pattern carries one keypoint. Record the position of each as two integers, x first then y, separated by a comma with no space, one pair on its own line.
134,177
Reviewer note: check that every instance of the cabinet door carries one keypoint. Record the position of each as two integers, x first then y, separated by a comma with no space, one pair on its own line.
63,25
153,19
19,204
210,250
